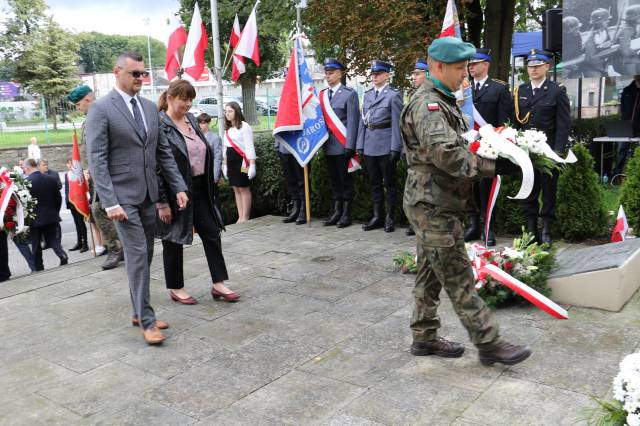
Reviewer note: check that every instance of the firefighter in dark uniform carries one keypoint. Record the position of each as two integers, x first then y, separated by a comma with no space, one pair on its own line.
542,105
493,102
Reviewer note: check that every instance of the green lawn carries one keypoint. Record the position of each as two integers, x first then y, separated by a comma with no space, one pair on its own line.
612,198
21,139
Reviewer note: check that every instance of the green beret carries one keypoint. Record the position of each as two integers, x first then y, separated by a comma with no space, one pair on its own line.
451,50
79,93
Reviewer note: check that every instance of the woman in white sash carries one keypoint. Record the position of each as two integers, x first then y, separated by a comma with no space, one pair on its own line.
239,165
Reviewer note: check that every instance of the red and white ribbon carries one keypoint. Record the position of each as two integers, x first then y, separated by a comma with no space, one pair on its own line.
493,197
9,190
481,269
337,128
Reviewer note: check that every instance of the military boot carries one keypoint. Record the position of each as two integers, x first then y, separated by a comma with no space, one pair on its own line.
113,259
532,227
293,215
503,353
302,214
377,220
335,217
389,225
473,230
409,232
439,346
491,240
85,246
345,219
545,238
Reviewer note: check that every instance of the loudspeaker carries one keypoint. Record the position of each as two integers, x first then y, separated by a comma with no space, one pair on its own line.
552,30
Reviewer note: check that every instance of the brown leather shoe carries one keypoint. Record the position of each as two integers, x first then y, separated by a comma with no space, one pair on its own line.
160,324
439,346
153,336
186,301
504,353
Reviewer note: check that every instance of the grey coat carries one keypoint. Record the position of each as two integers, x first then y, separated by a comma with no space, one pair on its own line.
123,165
216,144
180,230
386,108
346,106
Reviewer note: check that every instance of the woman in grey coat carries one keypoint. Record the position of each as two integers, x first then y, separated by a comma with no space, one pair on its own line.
195,159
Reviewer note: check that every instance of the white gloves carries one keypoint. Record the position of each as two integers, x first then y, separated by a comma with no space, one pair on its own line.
224,170
252,171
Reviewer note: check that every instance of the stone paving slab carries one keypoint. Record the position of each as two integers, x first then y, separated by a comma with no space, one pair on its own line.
319,337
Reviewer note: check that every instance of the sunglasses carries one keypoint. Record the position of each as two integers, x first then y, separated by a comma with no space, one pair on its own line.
138,74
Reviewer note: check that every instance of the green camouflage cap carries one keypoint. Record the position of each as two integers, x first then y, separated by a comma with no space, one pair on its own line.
451,50
79,93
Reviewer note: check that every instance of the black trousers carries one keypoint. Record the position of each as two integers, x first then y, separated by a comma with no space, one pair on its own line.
548,185
481,193
81,228
294,175
382,171
205,225
49,233
625,151
340,178
5,272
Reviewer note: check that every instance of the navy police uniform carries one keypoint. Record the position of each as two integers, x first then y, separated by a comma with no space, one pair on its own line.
492,99
345,104
547,109
380,142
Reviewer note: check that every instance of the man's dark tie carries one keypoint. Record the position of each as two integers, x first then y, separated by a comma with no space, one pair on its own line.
478,87
535,91
138,117
330,94
376,95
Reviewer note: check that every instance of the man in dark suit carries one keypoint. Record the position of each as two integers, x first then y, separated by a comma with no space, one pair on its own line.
126,151
543,105
493,102
45,189
341,111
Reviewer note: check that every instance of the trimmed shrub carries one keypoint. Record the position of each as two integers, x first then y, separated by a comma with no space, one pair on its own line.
630,199
580,209
509,218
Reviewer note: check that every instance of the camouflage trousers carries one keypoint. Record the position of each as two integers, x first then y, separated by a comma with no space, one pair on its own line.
443,262
107,228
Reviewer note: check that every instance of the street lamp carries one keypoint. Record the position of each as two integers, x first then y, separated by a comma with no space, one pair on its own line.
153,87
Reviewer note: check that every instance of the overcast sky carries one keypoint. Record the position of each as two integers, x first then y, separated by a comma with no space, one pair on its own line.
113,16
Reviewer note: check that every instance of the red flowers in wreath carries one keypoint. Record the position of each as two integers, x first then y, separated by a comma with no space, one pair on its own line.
474,146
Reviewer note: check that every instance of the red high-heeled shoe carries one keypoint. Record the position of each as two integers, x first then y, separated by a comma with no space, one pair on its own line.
229,297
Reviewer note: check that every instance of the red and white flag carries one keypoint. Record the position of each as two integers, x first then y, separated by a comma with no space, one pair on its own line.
177,39
78,187
197,42
451,24
621,228
248,43
237,67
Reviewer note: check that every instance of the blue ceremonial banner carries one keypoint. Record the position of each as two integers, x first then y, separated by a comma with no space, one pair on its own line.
300,125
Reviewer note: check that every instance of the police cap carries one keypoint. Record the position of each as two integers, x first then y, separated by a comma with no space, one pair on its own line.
481,55
332,64
421,64
380,66
538,57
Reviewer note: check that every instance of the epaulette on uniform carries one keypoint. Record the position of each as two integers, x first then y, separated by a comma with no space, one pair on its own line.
369,89
395,89
500,81
347,88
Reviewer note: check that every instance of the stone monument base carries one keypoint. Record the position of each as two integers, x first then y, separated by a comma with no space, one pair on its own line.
603,277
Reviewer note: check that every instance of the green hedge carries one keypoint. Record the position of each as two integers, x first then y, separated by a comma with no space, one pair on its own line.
630,199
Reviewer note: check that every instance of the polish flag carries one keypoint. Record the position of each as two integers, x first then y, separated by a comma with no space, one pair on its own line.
451,24
197,42
177,39
621,228
238,61
248,43
78,187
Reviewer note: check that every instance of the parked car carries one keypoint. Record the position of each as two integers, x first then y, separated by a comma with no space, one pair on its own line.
210,105
266,106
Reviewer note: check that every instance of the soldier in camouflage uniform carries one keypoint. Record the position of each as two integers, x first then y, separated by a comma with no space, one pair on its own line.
437,192
82,97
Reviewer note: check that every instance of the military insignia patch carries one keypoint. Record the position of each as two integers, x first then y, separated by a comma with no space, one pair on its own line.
433,106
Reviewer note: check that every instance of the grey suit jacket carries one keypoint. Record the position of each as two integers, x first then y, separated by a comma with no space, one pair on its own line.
216,144
346,106
123,165
386,108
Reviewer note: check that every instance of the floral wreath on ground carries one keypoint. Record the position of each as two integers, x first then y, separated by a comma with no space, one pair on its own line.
17,205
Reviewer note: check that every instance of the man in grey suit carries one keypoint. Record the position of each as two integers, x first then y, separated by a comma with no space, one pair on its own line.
126,151
340,147
380,143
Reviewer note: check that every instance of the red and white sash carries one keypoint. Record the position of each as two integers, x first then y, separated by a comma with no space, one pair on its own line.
337,129
236,147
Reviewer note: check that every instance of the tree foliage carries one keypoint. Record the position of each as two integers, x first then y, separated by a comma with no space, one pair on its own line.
22,19
98,52
630,199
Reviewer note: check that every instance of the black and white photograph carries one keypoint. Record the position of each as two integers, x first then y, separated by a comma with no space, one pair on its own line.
601,38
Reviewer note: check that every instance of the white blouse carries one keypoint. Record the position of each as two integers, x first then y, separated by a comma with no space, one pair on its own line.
33,151
243,137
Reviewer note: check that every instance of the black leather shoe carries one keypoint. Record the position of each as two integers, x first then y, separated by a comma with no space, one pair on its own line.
335,217
409,232
545,238
389,226
439,346
84,248
78,246
64,261
293,215
345,219
473,230
491,241
503,353
302,215
112,260
377,221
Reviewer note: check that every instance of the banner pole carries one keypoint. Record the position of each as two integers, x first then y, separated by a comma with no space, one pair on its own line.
93,243
307,198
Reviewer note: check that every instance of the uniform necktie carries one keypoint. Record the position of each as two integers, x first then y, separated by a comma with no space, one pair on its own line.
535,91
477,87
138,118
330,94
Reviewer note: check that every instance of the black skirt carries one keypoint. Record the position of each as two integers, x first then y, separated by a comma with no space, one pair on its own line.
234,164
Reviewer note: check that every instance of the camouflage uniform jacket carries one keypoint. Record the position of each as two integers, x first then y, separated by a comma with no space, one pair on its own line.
441,168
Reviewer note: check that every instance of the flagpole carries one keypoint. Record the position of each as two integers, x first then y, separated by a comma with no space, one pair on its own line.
307,197
215,33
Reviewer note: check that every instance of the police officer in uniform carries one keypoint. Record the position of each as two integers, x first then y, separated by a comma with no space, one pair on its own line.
344,102
493,102
542,105
379,143
438,188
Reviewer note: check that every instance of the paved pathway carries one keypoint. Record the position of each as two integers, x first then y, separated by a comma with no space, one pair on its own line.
320,337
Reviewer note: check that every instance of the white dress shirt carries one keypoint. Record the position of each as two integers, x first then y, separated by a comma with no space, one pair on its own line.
127,101
243,137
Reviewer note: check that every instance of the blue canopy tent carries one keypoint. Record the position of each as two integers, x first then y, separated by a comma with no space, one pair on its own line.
521,45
